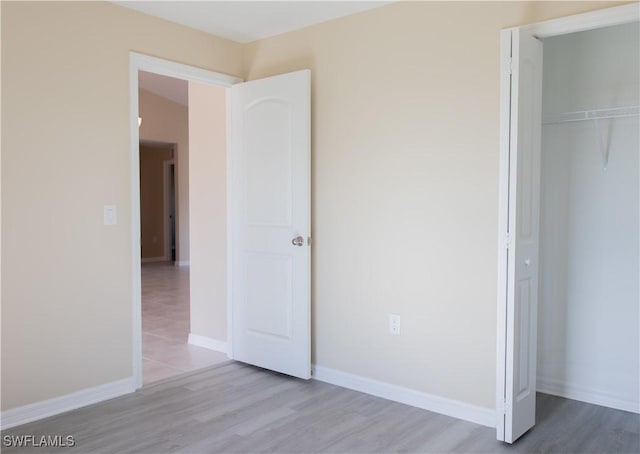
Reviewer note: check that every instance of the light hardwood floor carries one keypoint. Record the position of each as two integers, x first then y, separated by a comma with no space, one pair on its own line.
165,325
237,408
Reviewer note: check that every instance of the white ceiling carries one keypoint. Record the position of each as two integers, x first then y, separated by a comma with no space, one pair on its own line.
246,21
174,89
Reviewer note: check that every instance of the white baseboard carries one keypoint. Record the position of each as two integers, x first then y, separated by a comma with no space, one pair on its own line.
50,407
182,263
449,407
207,342
153,259
591,396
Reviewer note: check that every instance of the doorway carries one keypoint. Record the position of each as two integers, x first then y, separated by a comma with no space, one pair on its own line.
543,272
170,208
268,190
157,202
171,302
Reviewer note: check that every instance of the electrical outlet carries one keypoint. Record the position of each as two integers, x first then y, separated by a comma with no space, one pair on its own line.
394,324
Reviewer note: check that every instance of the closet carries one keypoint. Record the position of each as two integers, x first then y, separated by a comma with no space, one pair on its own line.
588,310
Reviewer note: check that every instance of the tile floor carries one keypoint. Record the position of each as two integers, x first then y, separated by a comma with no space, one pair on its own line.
165,325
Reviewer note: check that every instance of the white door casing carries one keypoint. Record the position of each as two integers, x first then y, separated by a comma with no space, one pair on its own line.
522,240
141,62
270,204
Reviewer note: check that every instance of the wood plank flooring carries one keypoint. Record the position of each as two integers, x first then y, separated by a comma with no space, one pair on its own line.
235,408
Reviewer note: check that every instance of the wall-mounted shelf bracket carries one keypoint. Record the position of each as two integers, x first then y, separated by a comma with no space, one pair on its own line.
604,148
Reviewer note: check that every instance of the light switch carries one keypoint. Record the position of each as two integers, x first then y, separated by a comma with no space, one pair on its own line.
110,215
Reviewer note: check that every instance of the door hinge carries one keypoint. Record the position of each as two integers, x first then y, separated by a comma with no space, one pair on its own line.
510,65
507,241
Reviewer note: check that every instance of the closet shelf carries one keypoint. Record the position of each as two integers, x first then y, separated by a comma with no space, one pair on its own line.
597,114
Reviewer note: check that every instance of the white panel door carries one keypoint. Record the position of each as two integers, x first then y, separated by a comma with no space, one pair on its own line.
523,227
270,197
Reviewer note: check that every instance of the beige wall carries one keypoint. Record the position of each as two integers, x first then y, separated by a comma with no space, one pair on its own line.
66,298
167,121
405,187
207,198
405,158
152,231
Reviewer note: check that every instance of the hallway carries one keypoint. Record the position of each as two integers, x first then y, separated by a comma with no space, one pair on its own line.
165,325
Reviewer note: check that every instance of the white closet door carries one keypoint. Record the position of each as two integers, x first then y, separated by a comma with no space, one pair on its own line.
523,225
270,187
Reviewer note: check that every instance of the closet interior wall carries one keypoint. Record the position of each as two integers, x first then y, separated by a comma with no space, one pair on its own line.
588,329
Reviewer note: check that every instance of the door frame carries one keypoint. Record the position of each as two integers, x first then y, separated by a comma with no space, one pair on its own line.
141,62
571,24
166,182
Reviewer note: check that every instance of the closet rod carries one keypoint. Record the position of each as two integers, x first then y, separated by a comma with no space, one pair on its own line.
597,114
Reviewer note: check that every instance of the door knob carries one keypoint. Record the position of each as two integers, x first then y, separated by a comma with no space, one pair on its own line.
297,241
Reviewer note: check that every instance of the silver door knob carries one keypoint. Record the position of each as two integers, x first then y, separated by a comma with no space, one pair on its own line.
297,241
